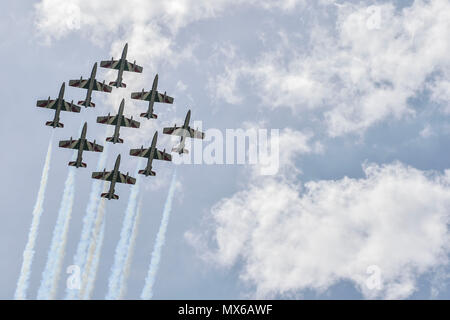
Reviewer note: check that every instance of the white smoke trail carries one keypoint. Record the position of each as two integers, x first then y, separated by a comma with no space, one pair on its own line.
129,258
93,256
147,292
122,245
88,223
93,268
28,253
52,270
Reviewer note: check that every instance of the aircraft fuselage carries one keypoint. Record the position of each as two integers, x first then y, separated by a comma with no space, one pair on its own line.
119,120
115,173
152,96
185,128
151,155
81,146
121,66
91,85
59,103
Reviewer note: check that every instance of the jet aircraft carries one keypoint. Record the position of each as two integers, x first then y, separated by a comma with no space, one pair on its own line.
151,153
114,177
90,84
183,131
81,145
58,105
152,96
118,121
121,65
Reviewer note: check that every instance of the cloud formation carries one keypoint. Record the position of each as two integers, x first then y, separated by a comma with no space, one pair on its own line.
364,68
393,220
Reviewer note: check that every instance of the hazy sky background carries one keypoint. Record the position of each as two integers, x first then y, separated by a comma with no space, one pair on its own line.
360,91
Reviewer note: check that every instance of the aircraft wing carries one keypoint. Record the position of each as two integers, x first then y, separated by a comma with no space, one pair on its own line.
125,122
163,98
122,178
179,131
103,175
158,155
140,152
110,64
175,131
141,95
92,146
196,134
162,155
107,120
101,86
75,144
132,67
51,104
146,95
129,122
69,144
70,107
84,84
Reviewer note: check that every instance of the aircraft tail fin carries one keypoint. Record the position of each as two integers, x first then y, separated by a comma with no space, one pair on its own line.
180,150
106,195
111,139
74,164
83,103
149,116
114,83
152,173
54,124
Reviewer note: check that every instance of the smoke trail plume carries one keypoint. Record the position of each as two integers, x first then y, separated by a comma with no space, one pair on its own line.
129,258
147,292
122,246
94,251
52,271
89,286
28,253
88,225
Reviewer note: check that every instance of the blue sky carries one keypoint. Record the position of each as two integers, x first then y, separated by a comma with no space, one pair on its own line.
358,90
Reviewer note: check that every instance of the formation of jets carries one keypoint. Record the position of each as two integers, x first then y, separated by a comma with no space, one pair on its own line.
119,120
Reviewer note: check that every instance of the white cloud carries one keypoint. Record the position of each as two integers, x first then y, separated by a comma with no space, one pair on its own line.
440,92
149,26
395,218
362,71
224,86
427,131
109,18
